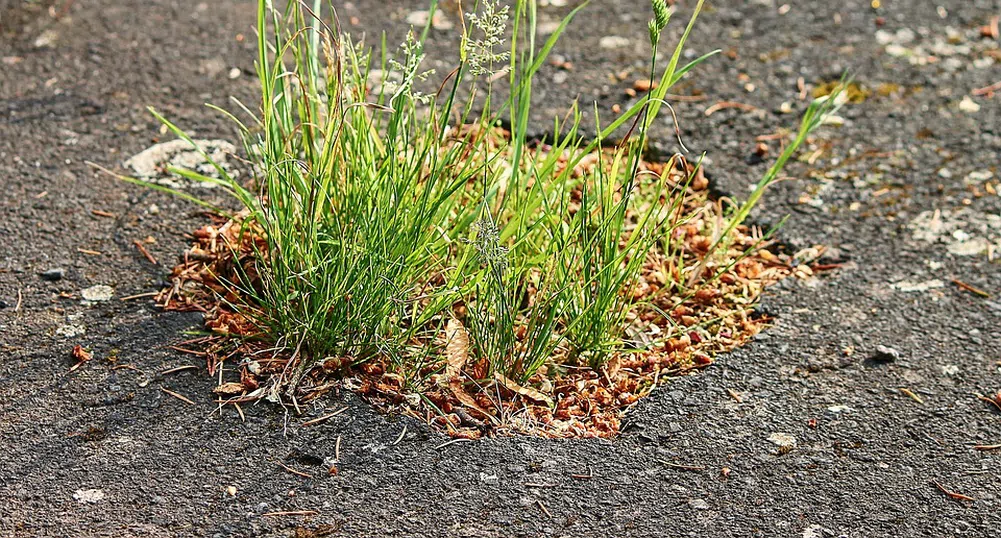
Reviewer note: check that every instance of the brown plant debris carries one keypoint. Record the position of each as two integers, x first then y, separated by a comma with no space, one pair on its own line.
81,356
974,290
181,397
142,250
911,394
688,309
952,494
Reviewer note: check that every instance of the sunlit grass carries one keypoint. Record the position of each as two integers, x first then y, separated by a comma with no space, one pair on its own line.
380,214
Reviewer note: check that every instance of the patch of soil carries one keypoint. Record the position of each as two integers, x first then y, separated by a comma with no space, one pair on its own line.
677,330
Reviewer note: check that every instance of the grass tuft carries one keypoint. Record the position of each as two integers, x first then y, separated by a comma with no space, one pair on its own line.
453,264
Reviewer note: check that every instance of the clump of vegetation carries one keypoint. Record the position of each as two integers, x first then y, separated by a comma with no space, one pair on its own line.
443,263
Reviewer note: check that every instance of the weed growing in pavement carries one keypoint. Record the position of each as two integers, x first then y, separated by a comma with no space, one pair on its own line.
383,225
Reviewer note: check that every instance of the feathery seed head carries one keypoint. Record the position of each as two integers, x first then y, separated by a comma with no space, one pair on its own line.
661,13
488,246
481,53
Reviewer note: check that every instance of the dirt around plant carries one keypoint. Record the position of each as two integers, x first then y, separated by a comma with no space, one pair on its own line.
812,430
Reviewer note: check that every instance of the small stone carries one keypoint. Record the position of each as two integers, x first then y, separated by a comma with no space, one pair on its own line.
908,286
885,354
420,18
613,42
213,66
70,330
884,37
231,491
151,163
53,275
98,293
813,531
548,27
699,504
902,36
836,409
644,85
978,176
88,496
898,50
969,105
234,73
944,173
46,39
784,441
489,478
834,120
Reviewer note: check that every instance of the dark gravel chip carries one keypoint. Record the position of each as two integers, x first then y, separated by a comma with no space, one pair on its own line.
53,275
885,354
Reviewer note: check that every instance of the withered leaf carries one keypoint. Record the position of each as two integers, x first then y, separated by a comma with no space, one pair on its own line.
456,348
613,366
465,398
81,354
230,389
527,392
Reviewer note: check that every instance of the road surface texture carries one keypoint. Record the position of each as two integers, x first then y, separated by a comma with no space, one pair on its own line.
904,192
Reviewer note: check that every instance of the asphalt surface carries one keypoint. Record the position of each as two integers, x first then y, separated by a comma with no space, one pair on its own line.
904,192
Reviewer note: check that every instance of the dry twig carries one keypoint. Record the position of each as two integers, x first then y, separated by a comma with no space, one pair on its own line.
544,509
139,296
952,494
324,418
293,471
722,105
178,396
144,252
588,476
178,369
291,513
452,442
987,90
400,438
681,466
971,289
991,401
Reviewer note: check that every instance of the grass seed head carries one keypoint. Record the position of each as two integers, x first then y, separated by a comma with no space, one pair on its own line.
481,54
